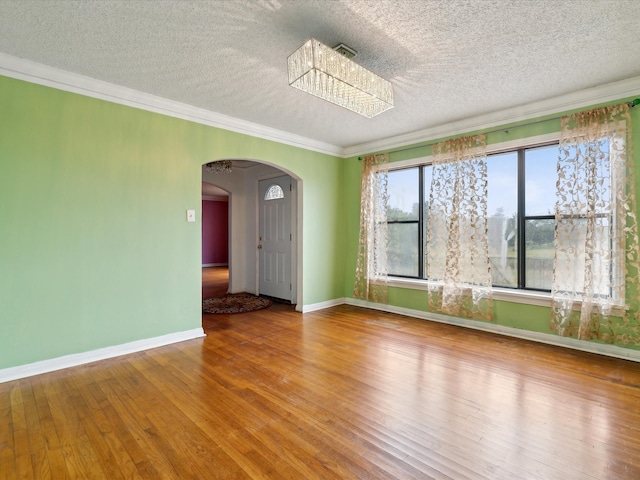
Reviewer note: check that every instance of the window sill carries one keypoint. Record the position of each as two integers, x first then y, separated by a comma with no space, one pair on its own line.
528,297
542,299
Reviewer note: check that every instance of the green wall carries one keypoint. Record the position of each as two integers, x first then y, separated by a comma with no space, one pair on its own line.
95,250
509,314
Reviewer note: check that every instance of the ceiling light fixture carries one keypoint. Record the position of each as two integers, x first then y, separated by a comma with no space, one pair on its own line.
331,75
221,166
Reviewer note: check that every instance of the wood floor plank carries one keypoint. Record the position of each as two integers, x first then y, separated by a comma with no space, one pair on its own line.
76,450
19,425
96,450
7,455
202,453
141,439
52,447
255,419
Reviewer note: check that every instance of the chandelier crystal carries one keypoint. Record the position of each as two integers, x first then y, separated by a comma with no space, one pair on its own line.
221,166
324,72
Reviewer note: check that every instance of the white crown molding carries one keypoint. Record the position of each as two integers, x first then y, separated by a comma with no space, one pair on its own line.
40,74
552,106
67,361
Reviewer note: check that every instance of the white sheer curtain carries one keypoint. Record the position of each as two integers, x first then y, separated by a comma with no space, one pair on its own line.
596,238
371,267
458,266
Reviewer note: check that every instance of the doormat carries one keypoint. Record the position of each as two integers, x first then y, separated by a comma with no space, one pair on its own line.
239,303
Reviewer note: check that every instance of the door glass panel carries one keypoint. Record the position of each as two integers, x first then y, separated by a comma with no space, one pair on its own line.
274,192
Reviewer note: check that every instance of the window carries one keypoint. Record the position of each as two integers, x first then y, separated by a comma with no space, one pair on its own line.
537,221
521,218
404,222
274,192
520,210
592,181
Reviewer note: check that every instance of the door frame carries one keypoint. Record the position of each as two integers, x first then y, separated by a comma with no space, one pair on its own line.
296,232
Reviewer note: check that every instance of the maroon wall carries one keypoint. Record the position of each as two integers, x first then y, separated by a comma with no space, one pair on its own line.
215,232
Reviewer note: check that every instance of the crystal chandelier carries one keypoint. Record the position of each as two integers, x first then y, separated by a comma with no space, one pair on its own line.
221,166
331,74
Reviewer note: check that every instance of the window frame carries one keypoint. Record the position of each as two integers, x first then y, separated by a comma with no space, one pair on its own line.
419,222
274,192
518,294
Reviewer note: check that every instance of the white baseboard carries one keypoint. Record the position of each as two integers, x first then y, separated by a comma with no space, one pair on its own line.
215,264
322,305
550,339
36,368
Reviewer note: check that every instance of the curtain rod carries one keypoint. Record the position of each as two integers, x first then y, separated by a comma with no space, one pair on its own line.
631,104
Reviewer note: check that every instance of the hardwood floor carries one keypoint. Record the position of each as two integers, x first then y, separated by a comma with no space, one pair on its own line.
343,393
215,281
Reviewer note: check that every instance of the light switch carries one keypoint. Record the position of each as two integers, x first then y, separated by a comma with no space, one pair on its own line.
191,215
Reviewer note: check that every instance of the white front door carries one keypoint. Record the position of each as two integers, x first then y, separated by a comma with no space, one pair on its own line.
274,241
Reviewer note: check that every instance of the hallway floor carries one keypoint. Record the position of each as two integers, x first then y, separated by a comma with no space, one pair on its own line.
215,281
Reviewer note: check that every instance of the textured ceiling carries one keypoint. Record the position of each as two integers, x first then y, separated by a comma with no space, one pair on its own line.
447,60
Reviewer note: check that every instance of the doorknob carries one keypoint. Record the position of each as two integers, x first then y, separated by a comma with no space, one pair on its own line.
259,247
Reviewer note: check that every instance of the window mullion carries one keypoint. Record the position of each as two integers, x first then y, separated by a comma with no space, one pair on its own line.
421,272
521,221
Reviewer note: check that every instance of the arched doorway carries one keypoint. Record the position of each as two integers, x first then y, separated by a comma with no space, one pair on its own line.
242,186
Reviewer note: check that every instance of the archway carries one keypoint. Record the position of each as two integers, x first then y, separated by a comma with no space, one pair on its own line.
241,184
